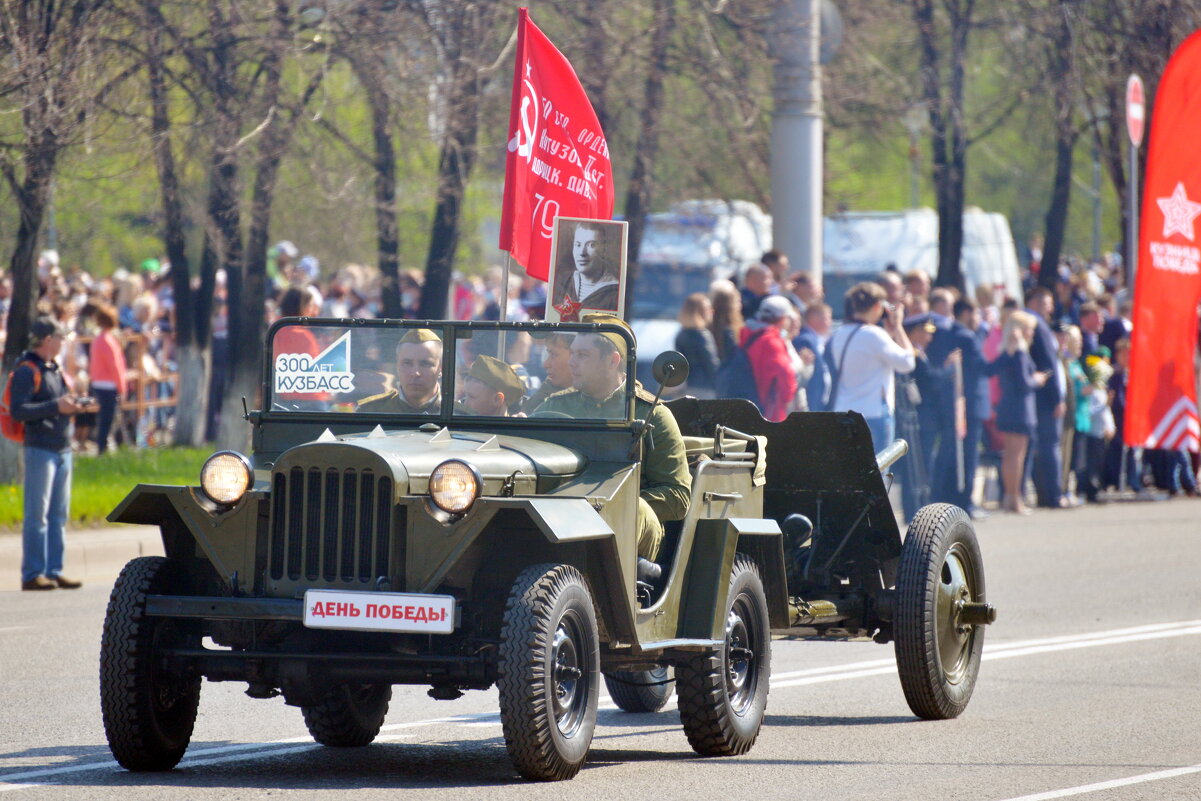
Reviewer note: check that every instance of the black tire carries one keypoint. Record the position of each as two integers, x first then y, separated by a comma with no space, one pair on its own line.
349,716
937,658
549,675
723,693
640,690
148,712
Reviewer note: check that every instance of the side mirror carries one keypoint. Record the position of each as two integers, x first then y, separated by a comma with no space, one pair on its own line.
670,368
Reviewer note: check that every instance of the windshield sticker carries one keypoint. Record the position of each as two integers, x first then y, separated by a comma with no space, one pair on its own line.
328,371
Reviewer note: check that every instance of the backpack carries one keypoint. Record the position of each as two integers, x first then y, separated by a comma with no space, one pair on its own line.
11,428
735,378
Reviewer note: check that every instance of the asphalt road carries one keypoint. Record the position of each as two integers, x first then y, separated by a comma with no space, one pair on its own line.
1090,688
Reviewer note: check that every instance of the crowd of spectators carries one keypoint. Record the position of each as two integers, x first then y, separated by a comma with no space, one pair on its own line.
1034,385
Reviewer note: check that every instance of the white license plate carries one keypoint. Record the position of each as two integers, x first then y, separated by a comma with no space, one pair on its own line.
379,611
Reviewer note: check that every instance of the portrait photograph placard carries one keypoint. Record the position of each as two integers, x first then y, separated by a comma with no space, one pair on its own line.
588,269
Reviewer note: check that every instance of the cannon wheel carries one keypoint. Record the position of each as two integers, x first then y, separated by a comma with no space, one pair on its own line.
723,693
349,716
640,690
549,672
148,710
937,657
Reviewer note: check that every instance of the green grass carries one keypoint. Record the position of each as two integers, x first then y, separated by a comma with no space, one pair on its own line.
99,483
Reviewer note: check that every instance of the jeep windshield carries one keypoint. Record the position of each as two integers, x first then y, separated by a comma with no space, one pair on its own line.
440,370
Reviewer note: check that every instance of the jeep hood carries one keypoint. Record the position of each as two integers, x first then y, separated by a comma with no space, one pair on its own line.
533,465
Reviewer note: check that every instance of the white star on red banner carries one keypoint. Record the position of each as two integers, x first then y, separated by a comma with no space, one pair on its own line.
1178,213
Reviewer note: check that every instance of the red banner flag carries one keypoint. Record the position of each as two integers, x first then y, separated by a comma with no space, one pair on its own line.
1161,402
558,162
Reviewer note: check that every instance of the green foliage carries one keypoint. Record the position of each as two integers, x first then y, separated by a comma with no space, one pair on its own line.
99,483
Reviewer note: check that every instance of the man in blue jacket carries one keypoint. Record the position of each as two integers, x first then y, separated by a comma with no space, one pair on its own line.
813,335
1049,402
962,336
40,401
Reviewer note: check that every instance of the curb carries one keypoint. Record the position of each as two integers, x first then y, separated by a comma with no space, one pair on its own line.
92,555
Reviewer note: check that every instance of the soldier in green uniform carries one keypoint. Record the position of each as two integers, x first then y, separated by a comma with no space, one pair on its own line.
418,374
556,353
490,388
598,378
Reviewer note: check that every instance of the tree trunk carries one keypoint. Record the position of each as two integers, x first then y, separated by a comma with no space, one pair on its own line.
1057,213
387,234
454,168
638,194
192,354
34,194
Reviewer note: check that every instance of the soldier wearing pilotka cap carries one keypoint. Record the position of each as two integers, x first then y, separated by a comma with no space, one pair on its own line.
598,375
418,377
491,388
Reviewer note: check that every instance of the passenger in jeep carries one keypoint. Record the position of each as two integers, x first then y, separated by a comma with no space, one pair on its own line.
491,388
598,376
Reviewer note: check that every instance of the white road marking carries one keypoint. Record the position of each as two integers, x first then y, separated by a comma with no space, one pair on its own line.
1109,785
854,670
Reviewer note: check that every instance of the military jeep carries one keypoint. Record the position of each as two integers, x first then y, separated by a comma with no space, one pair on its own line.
384,531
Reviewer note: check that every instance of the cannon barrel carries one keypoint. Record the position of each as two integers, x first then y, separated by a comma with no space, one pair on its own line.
893,451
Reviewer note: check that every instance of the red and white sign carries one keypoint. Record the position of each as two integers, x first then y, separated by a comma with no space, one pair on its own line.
1136,109
379,611
1161,402
558,163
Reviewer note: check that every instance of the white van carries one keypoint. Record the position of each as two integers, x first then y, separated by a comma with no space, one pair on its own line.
858,245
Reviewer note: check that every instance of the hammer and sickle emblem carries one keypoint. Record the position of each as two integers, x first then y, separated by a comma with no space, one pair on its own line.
529,123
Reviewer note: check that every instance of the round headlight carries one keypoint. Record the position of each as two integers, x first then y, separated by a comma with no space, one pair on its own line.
454,486
226,477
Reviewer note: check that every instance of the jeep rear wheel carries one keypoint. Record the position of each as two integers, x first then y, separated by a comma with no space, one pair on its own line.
640,690
349,716
723,693
149,709
549,676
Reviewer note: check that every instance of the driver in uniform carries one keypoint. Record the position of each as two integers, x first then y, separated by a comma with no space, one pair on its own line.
490,388
419,375
598,377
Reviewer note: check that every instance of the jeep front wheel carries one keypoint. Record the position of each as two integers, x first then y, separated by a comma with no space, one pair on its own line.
149,708
349,716
723,693
549,676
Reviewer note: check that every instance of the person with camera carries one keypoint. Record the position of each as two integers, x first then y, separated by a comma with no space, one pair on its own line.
41,402
863,355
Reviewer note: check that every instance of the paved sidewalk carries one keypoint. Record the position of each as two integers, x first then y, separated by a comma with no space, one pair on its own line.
93,555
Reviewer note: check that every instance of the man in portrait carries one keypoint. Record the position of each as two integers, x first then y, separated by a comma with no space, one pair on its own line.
590,276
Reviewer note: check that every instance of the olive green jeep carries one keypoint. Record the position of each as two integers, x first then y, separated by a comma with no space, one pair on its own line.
385,531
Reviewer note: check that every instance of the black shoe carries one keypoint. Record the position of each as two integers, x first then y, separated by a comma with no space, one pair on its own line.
65,583
38,583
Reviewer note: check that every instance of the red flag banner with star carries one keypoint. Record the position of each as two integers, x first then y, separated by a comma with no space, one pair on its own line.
558,161
1161,402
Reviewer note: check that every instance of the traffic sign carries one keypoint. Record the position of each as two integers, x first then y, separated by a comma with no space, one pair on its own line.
1136,110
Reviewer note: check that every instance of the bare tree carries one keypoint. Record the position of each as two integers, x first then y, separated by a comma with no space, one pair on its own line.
465,37
51,76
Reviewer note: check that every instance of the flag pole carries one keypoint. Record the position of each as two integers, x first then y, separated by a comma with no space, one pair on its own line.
504,288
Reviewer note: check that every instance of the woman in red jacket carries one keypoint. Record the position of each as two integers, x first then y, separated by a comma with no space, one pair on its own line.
773,359
106,370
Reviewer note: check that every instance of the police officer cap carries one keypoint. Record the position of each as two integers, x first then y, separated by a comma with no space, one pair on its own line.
499,376
415,336
42,329
923,321
614,337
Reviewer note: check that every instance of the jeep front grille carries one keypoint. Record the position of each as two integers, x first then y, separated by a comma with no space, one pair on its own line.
330,526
